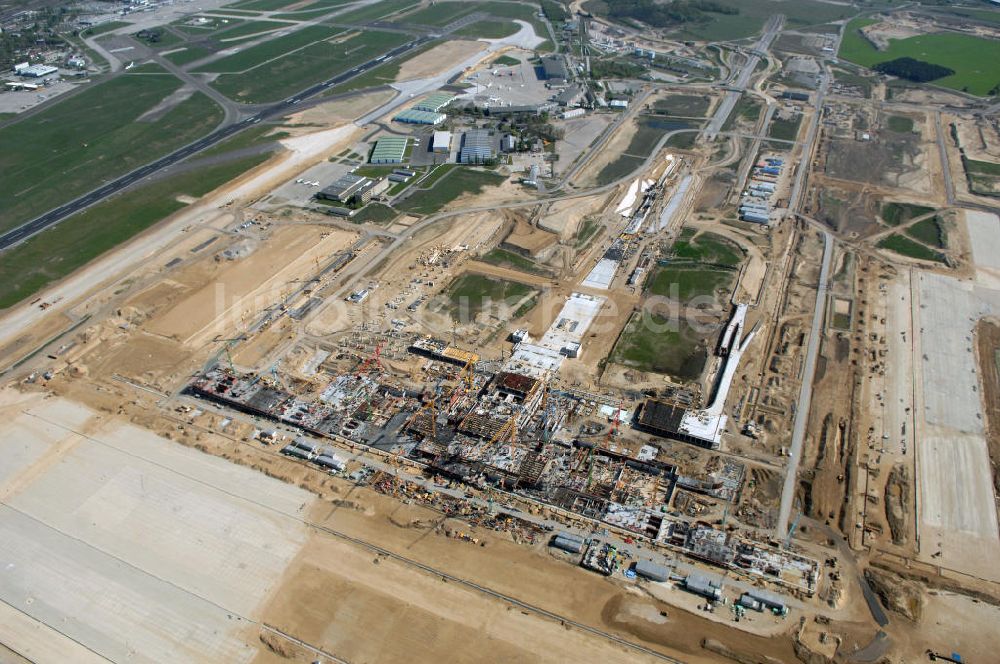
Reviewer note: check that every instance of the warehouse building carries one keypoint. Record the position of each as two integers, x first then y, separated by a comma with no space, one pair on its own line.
344,188
477,147
34,71
554,69
647,569
699,584
389,150
413,116
434,103
441,142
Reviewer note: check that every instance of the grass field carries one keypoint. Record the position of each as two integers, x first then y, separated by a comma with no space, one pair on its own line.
694,106
754,13
256,135
74,146
746,108
906,247
982,167
683,141
619,168
973,59
785,130
375,11
255,56
686,282
102,28
191,53
587,230
274,5
471,294
707,248
658,345
55,253
446,189
504,258
442,13
381,75
247,29
284,76
895,214
900,124
929,231
506,61
488,30
375,213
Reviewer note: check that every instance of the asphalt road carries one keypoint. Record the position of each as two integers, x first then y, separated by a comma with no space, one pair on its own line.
54,216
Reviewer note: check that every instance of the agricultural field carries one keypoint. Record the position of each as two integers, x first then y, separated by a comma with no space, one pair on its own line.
660,345
55,253
458,181
471,294
970,57
900,124
284,76
68,149
930,231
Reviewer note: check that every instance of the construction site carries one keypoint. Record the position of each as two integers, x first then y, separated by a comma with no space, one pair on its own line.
656,399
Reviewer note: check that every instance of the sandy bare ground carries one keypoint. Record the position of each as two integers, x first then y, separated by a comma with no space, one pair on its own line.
247,286
336,112
303,151
439,59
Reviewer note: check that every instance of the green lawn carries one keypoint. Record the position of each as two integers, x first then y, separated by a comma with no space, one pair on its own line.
375,213
471,294
982,167
375,11
708,248
694,106
930,231
79,143
895,214
684,283
459,181
57,252
973,59
442,13
900,124
785,130
102,28
284,76
906,247
504,258
506,61
754,13
660,345
189,54
246,29
255,56
488,30
619,168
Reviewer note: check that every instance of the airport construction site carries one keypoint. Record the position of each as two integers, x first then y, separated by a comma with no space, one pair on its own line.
666,379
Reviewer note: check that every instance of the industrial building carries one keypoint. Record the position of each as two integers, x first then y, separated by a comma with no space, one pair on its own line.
647,569
567,542
344,188
554,69
441,142
570,96
34,71
434,103
389,150
699,584
477,147
413,116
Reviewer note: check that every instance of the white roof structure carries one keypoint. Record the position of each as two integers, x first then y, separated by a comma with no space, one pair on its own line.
602,275
548,354
441,140
709,423
670,209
